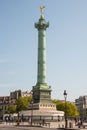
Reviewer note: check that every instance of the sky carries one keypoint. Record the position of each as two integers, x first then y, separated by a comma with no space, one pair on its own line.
66,46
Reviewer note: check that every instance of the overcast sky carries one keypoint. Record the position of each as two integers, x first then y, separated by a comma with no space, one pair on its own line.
66,46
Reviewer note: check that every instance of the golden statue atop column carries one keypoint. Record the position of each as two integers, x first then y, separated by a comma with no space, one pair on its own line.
41,11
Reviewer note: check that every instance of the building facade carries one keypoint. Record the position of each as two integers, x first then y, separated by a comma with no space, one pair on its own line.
6,101
81,104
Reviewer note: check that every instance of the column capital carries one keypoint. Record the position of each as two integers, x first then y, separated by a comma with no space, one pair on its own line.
42,24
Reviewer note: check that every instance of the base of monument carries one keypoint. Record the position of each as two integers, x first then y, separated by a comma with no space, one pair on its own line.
48,118
42,109
42,112
42,106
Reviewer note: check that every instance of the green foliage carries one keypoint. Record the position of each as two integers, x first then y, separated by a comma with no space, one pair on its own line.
71,109
23,102
11,109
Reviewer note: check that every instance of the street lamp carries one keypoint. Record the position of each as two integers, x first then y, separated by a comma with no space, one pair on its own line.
18,119
65,97
32,108
31,112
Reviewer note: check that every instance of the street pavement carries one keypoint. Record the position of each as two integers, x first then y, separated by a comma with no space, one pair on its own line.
12,127
24,128
27,128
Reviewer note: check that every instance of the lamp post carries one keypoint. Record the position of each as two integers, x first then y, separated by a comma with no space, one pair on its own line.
18,118
65,97
32,108
31,112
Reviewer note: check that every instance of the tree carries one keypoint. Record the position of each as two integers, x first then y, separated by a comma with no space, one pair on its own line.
11,109
71,109
23,102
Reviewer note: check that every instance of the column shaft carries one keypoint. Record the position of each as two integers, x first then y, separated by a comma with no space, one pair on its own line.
41,56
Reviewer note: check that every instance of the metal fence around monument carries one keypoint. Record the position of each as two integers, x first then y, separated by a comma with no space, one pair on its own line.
41,118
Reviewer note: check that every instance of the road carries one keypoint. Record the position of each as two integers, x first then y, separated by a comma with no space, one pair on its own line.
11,127
24,128
30,128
